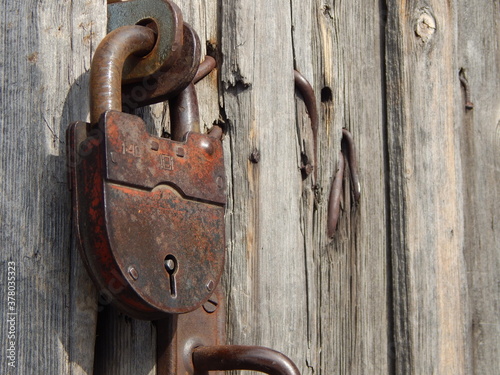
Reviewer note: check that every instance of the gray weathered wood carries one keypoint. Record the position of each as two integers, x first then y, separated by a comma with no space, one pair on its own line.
479,130
265,274
323,303
427,234
45,51
338,46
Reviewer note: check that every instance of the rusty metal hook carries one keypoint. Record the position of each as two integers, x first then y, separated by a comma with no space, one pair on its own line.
239,357
465,83
334,199
307,92
348,153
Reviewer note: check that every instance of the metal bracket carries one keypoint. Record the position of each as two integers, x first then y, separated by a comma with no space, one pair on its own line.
172,63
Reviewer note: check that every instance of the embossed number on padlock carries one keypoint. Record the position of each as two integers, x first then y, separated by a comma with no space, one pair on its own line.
149,213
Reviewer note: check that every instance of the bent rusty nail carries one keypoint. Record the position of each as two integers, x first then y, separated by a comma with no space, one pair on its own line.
465,84
334,198
205,68
239,357
350,154
307,92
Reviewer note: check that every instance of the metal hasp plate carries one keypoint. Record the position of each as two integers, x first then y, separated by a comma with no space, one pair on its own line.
172,63
167,18
149,214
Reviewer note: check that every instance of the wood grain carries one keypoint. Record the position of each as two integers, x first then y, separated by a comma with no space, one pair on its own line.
265,270
322,302
427,236
347,277
479,131
46,50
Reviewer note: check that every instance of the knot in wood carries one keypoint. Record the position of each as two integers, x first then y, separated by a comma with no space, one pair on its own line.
426,25
255,156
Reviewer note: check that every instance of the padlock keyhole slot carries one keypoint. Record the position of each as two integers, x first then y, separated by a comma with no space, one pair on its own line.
171,266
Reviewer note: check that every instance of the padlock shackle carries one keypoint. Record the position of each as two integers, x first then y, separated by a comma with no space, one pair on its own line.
107,66
184,113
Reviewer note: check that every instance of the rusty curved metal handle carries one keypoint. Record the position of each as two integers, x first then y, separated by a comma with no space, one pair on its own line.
239,357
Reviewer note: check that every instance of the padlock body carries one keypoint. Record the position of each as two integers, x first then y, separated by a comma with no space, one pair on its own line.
149,214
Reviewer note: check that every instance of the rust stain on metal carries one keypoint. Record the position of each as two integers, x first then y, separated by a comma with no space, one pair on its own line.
145,206
335,197
164,18
184,113
166,84
349,150
179,335
205,68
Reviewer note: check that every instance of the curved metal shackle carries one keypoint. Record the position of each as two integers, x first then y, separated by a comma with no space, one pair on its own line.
239,357
107,66
184,111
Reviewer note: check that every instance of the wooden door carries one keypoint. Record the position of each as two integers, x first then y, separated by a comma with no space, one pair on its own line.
409,284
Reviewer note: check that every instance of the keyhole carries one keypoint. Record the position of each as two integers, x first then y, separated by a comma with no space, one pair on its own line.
171,267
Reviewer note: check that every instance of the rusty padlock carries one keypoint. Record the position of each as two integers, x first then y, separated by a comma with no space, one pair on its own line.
148,211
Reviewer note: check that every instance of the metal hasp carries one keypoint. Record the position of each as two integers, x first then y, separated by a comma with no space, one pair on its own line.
170,65
149,211
194,343
165,18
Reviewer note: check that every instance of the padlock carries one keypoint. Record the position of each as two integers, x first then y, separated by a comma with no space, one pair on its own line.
148,211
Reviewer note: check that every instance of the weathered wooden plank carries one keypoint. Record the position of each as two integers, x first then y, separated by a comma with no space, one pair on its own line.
427,237
479,128
305,40
338,46
45,53
334,305
265,273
